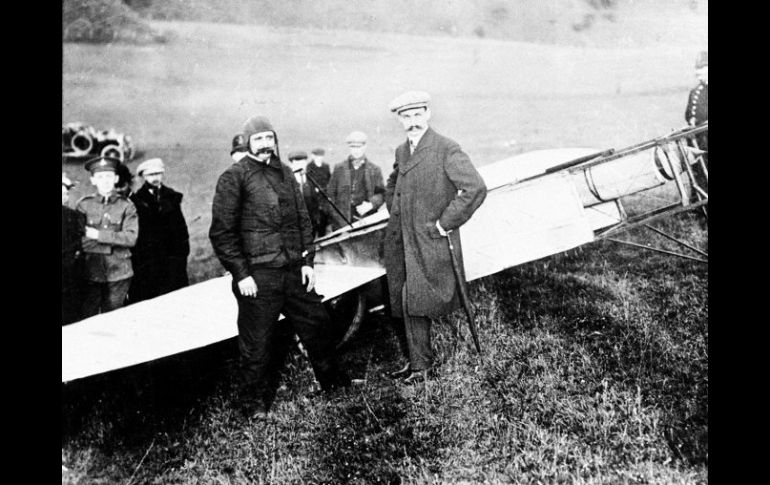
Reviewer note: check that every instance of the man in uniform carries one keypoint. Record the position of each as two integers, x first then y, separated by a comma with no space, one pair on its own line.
356,186
160,256
697,113
261,233
111,230
320,171
72,232
433,190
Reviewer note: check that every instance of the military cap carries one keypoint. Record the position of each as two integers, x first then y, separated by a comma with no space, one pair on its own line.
153,165
356,138
318,151
102,164
409,100
65,181
702,60
297,155
239,144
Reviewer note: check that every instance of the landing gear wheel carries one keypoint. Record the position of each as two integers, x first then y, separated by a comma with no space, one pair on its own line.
347,313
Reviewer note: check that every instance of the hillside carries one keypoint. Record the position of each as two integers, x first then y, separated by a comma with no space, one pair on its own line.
573,22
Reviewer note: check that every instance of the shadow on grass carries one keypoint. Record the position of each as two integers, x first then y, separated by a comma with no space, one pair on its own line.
597,324
366,435
125,409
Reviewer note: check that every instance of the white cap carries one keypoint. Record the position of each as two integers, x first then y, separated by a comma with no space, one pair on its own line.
409,100
152,165
356,138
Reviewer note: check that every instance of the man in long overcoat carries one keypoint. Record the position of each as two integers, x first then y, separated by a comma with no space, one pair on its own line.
433,190
160,255
73,228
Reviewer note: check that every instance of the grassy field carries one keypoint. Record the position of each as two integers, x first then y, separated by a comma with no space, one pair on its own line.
596,367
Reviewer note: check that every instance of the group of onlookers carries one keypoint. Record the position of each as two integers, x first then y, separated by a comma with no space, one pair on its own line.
121,247
334,198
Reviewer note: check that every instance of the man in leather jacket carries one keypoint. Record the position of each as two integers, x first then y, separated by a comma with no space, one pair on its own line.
262,235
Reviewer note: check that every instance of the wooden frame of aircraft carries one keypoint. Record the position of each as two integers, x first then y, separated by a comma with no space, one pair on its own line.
539,203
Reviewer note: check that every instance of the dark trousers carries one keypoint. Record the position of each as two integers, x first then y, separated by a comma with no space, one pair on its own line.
70,307
262,338
323,223
104,297
417,337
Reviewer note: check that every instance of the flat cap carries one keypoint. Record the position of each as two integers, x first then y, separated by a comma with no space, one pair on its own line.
153,165
65,181
318,151
356,138
297,155
102,164
702,60
409,100
239,144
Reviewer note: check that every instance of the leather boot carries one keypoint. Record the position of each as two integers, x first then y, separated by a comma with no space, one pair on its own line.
417,377
402,372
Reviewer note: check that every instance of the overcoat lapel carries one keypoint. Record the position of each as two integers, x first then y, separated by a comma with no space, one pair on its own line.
420,151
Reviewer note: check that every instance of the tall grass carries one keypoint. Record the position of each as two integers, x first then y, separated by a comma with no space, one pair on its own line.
595,371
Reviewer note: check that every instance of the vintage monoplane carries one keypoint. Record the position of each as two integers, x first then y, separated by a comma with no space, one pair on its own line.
539,203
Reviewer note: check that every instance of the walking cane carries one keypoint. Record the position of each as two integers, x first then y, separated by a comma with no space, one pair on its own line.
463,295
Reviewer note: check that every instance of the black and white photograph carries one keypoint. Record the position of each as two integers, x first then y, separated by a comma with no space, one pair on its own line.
385,242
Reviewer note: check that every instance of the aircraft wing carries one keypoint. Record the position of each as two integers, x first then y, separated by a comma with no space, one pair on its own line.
186,319
539,203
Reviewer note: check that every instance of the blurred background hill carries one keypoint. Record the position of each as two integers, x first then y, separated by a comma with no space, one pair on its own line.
630,23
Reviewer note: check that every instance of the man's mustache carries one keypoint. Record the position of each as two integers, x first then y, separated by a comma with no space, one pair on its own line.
414,128
264,150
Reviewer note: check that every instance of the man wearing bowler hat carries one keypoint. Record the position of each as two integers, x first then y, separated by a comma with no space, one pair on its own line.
356,186
160,254
111,231
433,190
262,234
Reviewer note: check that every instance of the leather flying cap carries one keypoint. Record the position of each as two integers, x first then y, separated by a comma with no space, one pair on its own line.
409,100
256,124
239,144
